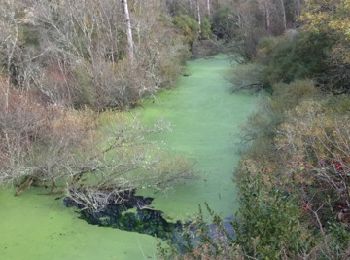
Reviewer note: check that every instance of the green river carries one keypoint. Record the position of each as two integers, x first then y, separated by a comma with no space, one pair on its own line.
205,119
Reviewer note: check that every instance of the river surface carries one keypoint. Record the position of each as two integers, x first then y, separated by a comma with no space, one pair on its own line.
205,119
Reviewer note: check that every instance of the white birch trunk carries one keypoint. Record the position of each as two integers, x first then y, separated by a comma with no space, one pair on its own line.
199,16
209,8
130,41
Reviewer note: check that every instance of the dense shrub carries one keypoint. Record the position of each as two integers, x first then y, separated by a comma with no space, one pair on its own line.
224,24
291,57
332,18
39,142
268,221
303,159
206,30
247,76
188,26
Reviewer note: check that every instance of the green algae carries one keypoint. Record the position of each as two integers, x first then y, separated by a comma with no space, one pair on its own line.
205,119
36,226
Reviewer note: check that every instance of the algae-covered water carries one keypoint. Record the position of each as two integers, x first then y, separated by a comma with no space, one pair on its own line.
36,226
205,121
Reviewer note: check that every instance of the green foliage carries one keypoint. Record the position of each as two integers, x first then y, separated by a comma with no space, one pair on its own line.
267,224
299,135
261,125
84,92
29,36
287,96
176,8
340,236
200,240
289,206
188,26
224,24
297,57
319,50
206,31
169,70
339,104
332,18
247,76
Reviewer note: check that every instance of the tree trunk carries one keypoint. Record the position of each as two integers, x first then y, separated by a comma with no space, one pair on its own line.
190,3
284,16
297,8
264,7
199,16
267,18
209,8
130,41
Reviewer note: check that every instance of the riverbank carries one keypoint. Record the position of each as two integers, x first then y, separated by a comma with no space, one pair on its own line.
205,120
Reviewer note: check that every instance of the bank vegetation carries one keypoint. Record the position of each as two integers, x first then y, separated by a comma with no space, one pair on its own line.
293,177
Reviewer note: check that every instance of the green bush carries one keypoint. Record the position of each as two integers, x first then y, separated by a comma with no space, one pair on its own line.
188,26
206,31
29,36
267,225
288,96
223,24
83,90
247,77
295,57
297,136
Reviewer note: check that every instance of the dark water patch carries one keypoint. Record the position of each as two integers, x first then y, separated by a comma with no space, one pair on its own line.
136,214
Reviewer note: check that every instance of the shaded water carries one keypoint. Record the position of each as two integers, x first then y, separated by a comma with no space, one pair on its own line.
205,119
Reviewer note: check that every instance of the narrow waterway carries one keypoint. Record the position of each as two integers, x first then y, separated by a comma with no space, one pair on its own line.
205,121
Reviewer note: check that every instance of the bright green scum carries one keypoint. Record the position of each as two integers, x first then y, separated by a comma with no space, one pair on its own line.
205,121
